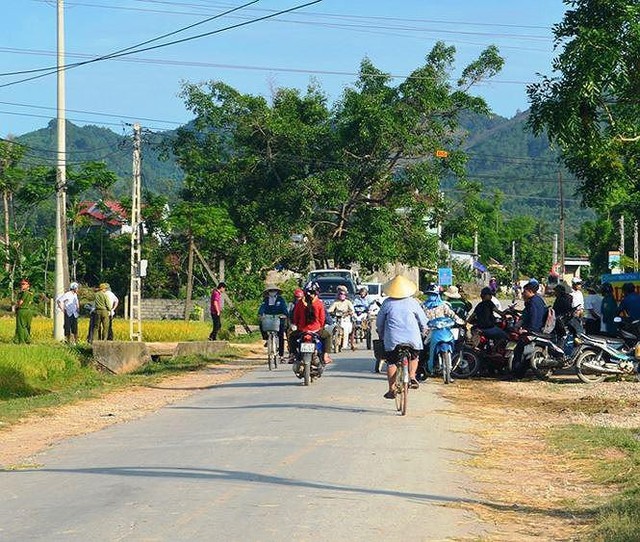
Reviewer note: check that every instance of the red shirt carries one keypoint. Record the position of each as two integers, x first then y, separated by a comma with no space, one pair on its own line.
216,296
300,315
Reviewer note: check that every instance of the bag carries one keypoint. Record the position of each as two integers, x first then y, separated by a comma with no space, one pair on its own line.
549,321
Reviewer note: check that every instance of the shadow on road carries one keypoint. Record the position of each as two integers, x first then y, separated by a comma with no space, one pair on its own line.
304,406
222,475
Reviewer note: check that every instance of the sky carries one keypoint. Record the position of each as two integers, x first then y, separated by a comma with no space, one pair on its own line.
324,42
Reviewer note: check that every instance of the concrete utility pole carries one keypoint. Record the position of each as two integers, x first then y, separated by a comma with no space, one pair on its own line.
61,181
561,236
635,246
135,289
621,248
554,255
513,262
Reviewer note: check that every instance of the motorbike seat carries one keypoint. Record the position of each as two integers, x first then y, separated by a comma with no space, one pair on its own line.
601,339
541,335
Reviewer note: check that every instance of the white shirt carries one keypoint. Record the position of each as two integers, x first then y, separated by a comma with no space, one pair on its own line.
578,299
70,303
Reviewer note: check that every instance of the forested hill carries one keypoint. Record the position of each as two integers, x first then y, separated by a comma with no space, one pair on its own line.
503,155
92,143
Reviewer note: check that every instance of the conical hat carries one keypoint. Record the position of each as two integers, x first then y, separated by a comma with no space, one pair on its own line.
272,287
399,287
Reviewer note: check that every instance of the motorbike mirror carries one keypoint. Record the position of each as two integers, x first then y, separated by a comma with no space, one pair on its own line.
617,319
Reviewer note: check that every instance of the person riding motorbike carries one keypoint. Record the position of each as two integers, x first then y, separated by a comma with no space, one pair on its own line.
434,307
533,317
309,316
344,305
401,321
483,317
453,296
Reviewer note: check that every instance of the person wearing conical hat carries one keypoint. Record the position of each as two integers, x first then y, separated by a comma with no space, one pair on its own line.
273,304
401,320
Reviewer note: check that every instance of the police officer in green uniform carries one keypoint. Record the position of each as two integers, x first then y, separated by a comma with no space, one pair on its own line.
24,313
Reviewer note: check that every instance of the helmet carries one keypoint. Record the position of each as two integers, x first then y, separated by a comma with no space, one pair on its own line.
73,286
576,280
432,289
486,291
298,292
341,289
311,287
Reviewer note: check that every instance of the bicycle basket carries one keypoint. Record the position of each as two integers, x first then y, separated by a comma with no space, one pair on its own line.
271,322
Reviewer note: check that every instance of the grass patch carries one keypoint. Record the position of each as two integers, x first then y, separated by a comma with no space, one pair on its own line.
612,456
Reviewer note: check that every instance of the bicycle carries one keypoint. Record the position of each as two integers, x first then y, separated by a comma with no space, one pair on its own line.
271,326
401,384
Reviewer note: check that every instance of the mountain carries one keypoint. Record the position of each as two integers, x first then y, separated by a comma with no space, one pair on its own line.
160,173
503,155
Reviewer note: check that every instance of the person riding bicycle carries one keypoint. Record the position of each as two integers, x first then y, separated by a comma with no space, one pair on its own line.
434,307
309,316
401,321
274,304
344,306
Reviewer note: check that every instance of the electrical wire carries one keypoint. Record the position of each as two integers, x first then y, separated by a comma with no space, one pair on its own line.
170,43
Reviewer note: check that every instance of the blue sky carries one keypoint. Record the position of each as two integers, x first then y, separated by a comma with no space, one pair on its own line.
331,36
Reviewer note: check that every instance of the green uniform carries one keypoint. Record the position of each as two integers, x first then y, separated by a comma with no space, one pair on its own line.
103,310
24,315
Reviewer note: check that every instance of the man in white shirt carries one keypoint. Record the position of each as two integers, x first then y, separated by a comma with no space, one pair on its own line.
68,303
113,298
577,296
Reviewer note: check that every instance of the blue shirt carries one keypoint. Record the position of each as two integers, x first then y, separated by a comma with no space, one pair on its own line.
533,315
401,321
279,306
631,304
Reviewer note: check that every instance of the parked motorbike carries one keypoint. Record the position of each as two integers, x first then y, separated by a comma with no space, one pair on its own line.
494,359
308,364
608,357
451,359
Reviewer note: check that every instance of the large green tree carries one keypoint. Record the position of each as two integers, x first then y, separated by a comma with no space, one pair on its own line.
358,181
589,107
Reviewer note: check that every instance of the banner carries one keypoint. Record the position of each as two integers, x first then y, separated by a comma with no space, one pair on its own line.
618,279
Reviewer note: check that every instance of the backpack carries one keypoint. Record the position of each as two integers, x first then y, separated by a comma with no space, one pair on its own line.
549,321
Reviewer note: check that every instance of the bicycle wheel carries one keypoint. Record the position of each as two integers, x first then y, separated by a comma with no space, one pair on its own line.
445,358
274,349
405,389
270,351
398,388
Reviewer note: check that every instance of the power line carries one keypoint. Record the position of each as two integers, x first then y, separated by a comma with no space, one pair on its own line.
174,42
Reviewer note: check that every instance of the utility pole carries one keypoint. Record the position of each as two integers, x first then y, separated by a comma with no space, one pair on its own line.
135,289
554,255
187,303
513,262
635,246
475,246
622,243
561,236
61,181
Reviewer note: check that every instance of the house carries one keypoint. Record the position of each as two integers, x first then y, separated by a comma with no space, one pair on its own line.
107,213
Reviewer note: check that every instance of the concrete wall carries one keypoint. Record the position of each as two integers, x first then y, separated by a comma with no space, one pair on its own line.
167,309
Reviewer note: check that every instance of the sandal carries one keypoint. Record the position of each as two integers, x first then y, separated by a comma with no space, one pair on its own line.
389,395
413,384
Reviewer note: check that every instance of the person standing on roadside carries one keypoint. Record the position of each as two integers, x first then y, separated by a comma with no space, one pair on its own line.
592,314
103,309
114,301
70,306
216,306
24,313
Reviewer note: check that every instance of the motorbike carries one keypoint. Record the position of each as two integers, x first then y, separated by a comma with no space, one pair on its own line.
493,359
308,364
609,357
451,358
341,330
362,325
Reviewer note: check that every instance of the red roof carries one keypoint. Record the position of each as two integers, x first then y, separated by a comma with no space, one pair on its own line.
115,216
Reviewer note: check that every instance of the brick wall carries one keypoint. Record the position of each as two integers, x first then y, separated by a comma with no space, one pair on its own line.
166,309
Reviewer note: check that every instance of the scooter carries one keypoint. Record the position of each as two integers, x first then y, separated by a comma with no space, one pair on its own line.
308,364
445,342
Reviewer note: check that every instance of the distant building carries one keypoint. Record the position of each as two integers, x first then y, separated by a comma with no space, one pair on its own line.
109,214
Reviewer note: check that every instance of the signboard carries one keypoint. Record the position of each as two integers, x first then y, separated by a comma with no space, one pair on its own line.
614,260
441,154
445,276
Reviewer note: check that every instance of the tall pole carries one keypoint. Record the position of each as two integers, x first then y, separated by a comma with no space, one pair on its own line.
61,180
135,289
635,246
513,262
561,235
622,243
554,254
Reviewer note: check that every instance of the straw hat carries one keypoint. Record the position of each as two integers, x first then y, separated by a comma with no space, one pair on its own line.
399,287
272,287
452,292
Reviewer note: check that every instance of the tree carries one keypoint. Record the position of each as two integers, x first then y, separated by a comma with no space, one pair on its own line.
359,180
590,106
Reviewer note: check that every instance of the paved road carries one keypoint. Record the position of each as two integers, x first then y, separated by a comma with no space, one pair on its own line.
260,458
